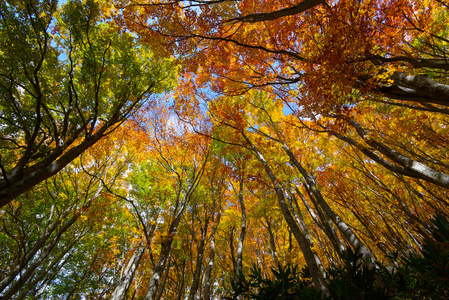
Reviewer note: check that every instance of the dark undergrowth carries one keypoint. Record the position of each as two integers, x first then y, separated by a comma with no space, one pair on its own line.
424,276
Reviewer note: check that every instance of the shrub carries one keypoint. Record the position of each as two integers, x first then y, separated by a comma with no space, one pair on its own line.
424,276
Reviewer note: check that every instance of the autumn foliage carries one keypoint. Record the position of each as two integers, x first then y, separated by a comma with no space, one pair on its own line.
243,149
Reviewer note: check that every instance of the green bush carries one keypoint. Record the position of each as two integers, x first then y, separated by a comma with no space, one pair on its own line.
424,276
354,280
287,285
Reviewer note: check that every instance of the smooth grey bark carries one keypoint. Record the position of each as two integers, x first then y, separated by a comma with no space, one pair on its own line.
158,269
163,256
198,270
239,255
128,274
210,265
298,217
347,232
315,193
416,88
442,64
312,260
20,182
223,284
403,164
300,220
309,209
324,223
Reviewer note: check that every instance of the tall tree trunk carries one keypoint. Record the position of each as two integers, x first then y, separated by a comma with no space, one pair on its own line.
158,269
183,276
199,263
231,248
324,223
128,275
162,260
416,88
272,241
210,265
312,260
239,256
350,236
299,218
402,164
166,246
164,280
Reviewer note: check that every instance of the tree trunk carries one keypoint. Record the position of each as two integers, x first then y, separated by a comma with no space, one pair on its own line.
288,11
199,263
402,164
325,224
128,275
312,260
43,254
21,181
168,239
164,280
416,88
210,265
272,241
158,269
239,256
183,276
350,236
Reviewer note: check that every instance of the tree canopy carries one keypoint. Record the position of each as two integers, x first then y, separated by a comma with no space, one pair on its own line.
68,77
224,149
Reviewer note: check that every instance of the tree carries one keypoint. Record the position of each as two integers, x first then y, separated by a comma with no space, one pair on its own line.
311,133
371,46
181,158
48,238
355,51
68,77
